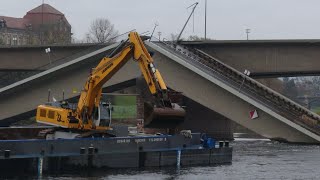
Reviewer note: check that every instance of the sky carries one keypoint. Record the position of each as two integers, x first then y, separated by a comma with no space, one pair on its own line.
226,19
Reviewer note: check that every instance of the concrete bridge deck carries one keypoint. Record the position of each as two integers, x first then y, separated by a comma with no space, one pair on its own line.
266,58
200,77
230,93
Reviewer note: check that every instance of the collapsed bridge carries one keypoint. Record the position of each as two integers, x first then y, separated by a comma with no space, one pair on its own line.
199,76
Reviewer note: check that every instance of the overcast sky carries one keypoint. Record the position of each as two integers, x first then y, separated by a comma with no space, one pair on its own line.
226,19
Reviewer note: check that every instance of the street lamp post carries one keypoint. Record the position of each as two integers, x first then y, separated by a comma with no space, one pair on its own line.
248,31
159,34
247,73
48,50
194,7
155,25
205,21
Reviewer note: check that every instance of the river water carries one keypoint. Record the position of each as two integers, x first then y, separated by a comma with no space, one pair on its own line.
252,159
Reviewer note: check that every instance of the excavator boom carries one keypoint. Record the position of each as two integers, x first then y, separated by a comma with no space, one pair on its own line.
84,116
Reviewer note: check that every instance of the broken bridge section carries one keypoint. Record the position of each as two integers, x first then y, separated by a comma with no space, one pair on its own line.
22,98
200,77
234,95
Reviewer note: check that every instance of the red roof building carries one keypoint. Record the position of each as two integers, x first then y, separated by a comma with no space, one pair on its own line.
45,14
15,23
41,25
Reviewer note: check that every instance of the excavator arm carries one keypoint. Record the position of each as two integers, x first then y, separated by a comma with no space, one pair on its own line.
91,93
152,75
82,117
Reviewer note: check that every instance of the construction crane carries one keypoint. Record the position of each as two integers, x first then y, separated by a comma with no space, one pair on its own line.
87,115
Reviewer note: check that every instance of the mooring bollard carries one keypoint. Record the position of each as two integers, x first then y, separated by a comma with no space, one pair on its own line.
82,150
90,157
220,144
90,150
226,144
178,157
40,166
7,153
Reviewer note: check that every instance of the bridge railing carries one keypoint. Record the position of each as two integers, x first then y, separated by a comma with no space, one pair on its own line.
247,86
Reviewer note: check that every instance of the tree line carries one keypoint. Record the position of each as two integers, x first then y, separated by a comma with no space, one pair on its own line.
103,31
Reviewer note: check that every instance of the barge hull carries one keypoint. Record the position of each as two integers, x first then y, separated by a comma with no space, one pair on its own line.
119,152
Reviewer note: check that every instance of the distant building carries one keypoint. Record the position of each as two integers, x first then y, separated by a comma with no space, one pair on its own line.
41,25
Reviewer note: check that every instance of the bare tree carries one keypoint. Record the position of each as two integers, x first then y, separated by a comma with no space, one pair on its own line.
173,37
102,31
56,33
196,38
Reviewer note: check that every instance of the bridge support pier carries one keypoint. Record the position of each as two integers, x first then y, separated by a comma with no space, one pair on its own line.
202,119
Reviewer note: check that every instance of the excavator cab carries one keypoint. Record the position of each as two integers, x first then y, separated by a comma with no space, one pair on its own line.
102,115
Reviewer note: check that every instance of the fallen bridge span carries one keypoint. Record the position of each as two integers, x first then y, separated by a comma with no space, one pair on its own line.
225,90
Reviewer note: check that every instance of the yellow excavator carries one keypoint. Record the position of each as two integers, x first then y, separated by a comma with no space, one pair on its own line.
86,116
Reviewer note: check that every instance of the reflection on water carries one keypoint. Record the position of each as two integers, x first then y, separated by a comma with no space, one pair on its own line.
259,159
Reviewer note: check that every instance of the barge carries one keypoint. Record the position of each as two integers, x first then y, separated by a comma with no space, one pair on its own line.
39,156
